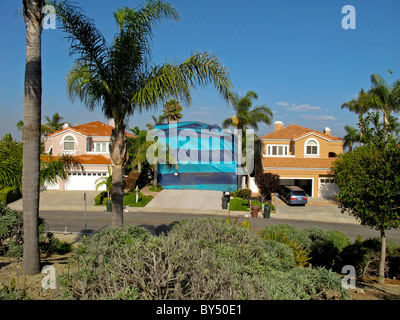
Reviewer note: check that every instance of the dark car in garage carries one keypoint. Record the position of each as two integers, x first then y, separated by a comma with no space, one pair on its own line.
292,195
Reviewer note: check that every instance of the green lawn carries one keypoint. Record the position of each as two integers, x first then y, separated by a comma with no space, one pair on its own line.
238,204
130,200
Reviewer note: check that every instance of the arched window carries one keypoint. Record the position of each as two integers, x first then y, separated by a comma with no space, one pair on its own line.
69,143
312,147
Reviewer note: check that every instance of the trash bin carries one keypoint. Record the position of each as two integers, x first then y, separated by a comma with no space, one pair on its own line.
254,211
267,211
225,200
108,204
225,203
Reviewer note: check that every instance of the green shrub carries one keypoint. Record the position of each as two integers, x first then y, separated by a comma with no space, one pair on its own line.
365,257
98,200
199,259
291,233
325,245
11,234
244,193
9,194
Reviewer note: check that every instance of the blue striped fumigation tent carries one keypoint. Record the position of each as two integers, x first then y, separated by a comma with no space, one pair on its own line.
201,157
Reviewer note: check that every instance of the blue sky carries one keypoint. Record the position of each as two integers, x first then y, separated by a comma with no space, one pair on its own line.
294,54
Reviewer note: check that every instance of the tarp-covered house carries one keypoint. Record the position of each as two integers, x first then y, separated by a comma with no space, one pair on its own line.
201,157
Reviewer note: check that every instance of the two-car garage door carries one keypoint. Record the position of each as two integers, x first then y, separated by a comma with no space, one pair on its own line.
80,181
85,181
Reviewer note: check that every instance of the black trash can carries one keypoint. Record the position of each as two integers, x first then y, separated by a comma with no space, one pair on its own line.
267,211
225,203
225,199
108,204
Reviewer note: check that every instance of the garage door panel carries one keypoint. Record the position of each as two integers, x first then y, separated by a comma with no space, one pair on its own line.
327,188
83,182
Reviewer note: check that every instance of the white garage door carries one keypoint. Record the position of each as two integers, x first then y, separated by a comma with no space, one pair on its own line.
327,188
85,181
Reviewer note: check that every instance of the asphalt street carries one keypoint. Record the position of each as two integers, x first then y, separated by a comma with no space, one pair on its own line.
95,221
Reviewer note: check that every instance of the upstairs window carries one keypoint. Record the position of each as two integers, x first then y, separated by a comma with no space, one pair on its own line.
312,147
69,143
101,147
277,150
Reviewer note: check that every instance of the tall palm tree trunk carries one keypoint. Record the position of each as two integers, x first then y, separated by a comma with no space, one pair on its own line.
240,156
118,155
31,135
117,196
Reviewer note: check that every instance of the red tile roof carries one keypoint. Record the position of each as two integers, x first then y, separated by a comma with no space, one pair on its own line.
282,162
84,159
93,159
95,128
294,132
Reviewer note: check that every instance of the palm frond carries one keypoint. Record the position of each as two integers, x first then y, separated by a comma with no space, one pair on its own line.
171,80
227,122
54,168
86,85
86,40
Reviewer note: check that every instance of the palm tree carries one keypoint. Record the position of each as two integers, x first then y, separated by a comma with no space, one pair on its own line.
52,169
352,136
172,111
156,121
119,78
359,106
107,181
384,97
32,11
245,117
54,123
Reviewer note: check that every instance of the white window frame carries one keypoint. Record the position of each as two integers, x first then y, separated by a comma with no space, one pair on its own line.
311,154
270,147
100,143
75,142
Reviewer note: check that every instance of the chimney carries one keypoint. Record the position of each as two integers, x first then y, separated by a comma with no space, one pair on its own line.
111,123
278,125
65,125
327,130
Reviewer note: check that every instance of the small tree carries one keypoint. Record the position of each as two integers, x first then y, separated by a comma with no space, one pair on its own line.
267,183
369,182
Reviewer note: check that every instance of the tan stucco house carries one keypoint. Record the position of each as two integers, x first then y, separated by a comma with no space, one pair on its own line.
89,143
300,156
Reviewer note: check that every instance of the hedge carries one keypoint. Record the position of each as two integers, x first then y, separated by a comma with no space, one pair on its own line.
10,194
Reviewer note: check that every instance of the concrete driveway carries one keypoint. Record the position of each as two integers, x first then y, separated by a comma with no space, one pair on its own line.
196,201
317,209
63,200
